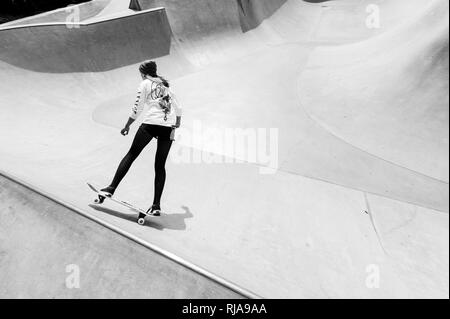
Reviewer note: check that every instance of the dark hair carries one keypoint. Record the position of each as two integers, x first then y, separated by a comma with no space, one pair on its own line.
150,68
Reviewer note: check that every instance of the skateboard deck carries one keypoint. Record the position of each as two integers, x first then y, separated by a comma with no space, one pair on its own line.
101,199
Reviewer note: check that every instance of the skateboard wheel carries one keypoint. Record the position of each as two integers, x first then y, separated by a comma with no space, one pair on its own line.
100,200
141,221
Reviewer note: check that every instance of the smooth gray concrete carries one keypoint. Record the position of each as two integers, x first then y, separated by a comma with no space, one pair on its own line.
43,245
69,47
359,158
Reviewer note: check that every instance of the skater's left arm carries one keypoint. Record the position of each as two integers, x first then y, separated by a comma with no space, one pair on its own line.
178,110
178,123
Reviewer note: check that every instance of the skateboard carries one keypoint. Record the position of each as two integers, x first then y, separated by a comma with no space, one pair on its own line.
102,197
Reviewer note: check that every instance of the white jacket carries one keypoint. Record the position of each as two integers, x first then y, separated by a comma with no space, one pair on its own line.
150,95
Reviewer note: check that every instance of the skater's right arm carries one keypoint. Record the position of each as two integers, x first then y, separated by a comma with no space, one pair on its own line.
137,108
126,129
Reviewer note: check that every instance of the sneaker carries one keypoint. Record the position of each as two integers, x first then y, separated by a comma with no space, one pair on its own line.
108,191
154,211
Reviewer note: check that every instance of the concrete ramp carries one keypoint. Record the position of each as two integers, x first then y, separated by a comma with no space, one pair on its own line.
340,190
401,110
50,251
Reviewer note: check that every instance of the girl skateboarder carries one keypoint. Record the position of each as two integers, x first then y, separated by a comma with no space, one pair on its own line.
162,117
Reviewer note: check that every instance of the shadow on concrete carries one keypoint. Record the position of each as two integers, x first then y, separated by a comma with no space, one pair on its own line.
165,221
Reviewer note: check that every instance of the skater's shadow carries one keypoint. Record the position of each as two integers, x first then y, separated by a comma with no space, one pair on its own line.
165,221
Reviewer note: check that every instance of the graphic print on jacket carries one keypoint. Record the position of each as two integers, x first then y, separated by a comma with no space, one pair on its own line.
160,91
162,103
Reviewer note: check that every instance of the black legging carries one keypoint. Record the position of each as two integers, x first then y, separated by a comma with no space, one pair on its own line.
141,140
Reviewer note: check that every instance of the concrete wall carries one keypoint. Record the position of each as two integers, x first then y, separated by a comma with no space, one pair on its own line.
94,47
253,12
213,14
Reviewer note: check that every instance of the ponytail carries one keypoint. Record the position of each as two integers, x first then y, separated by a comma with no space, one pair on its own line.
149,68
164,81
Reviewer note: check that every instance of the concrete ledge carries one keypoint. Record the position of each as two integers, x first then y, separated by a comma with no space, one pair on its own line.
96,46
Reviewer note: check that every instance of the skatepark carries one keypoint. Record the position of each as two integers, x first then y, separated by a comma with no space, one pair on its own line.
354,180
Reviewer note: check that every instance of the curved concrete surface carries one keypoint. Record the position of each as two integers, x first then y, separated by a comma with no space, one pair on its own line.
337,207
49,251
114,8
402,117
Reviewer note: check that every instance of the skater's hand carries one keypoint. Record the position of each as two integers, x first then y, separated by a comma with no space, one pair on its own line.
178,123
125,131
